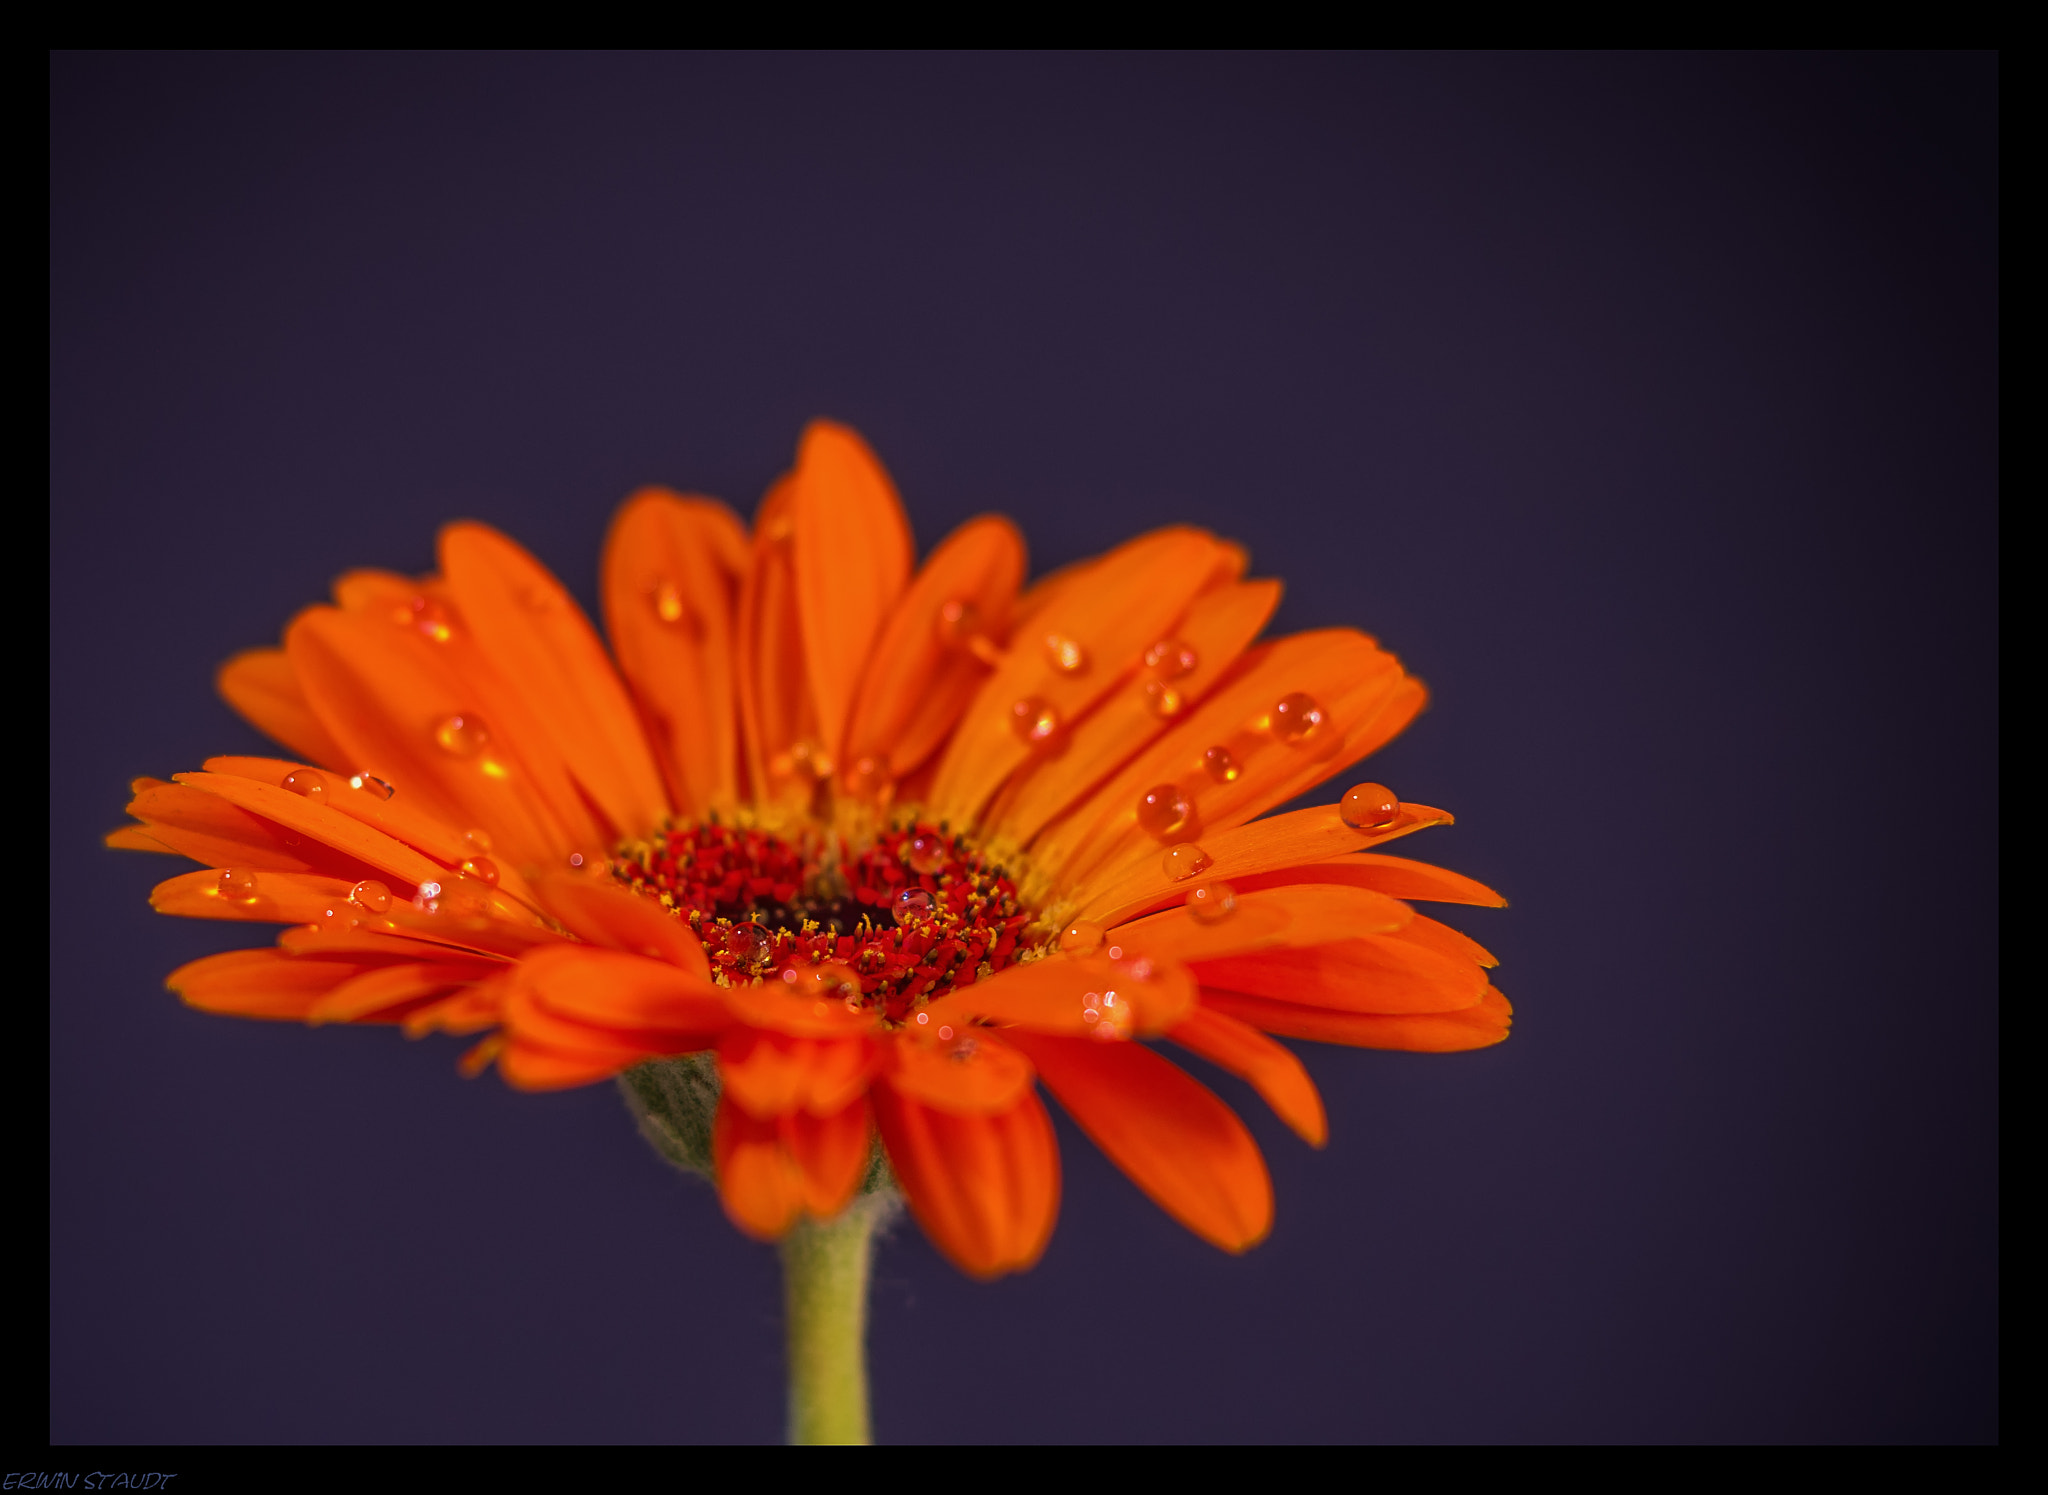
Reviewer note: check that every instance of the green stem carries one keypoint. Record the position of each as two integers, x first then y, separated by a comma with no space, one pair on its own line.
825,1296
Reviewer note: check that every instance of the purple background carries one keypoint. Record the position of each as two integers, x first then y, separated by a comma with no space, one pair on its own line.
1646,405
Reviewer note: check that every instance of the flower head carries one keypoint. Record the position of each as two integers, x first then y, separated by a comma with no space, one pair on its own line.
895,845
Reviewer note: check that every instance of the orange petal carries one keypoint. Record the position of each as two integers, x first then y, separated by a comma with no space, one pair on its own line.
760,1181
533,1066
1383,974
312,819
615,998
851,548
771,1074
604,913
1271,1070
973,1073
262,983
986,1189
1218,627
1165,1129
208,829
257,897
1306,915
1132,596
1263,846
777,711
1474,1027
671,590
529,627
1447,941
832,1154
134,838
469,1010
1082,996
259,683
374,995
1397,877
1347,676
918,681
393,699
793,1008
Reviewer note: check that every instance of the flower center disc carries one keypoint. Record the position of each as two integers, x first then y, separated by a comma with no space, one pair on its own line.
913,915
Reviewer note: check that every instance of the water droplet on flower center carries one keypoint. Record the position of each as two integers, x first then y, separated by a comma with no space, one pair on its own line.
1369,807
911,903
927,852
464,736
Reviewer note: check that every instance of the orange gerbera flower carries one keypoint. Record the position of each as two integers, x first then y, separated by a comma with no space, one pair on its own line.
894,846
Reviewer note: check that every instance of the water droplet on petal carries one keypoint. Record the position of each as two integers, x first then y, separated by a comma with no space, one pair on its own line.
668,603
945,1033
1081,937
428,890
911,903
576,859
1212,902
370,896
1295,715
1163,698
464,736
826,980
1184,861
1034,720
477,840
430,618
1221,766
958,622
924,1017
236,886
868,777
336,919
1164,811
1066,654
1170,658
1369,807
928,852
482,869
371,785
307,781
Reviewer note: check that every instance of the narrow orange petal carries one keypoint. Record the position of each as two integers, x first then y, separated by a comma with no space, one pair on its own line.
1385,974
259,683
771,1074
1306,915
1397,877
1347,676
832,1154
1078,647
530,628
852,552
616,998
1475,1027
1271,1070
777,710
135,838
1080,996
671,592
256,897
919,679
314,820
1263,846
604,913
374,996
1165,1129
262,983
1219,626
1447,941
986,1189
533,1066
445,736
208,829
760,1183
972,1074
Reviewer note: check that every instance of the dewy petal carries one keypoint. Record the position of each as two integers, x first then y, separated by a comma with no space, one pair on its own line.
266,898
1218,627
672,572
211,830
1059,993
1347,674
1267,1067
531,630
387,993
1474,1027
917,681
973,1074
1383,974
1269,845
1130,598
986,1189
1307,915
851,546
1166,1130
259,683
1397,877
313,819
777,712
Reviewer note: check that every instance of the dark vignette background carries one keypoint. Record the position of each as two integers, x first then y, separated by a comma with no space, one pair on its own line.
1646,405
